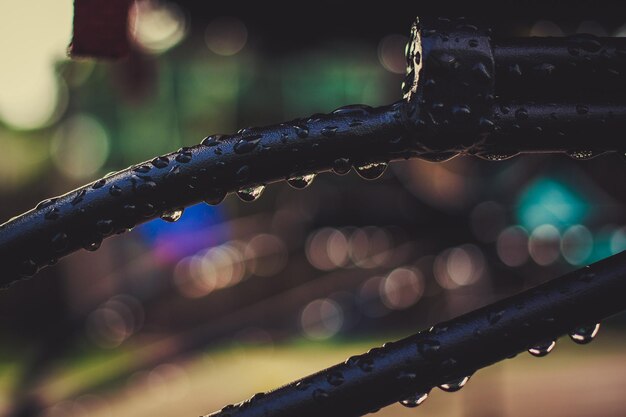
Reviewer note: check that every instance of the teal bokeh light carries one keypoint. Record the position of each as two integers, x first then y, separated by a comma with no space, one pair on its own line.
549,201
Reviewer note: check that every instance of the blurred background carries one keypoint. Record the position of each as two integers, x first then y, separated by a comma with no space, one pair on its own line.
181,319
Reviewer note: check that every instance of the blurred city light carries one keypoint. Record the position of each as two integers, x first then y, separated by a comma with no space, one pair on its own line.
548,201
31,94
158,25
80,147
391,53
226,36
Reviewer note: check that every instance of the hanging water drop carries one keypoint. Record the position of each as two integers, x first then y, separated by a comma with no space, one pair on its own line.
581,154
497,156
301,181
216,198
341,166
250,193
542,349
172,215
454,385
371,170
415,399
584,334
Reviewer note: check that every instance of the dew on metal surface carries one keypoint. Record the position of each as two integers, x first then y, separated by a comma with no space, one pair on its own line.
584,334
414,400
542,349
371,170
172,216
301,181
250,193
455,384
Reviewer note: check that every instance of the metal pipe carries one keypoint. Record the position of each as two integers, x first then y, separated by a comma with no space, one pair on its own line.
575,67
450,108
449,352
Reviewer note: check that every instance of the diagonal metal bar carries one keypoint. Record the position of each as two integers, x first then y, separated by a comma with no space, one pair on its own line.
451,351
354,136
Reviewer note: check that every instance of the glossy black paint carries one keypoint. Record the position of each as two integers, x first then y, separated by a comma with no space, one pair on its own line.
457,348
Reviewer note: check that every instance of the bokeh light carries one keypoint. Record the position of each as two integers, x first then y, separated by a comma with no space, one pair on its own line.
226,35
158,26
512,246
402,288
321,319
391,53
576,244
31,94
80,147
544,244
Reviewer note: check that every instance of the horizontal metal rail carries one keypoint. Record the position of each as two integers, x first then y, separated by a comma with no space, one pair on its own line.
449,353
464,94
355,136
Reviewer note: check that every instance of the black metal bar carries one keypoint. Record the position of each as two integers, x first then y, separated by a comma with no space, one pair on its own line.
450,350
450,108
350,136
577,67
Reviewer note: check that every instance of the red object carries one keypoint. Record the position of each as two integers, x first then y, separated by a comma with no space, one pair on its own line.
100,29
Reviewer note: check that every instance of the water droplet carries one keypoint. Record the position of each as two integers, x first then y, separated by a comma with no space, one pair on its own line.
52,214
335,378
545,69
415,399
212,140
99,184
93,244
173,172
584,334
320,395
542,349
115,191
582,109
329,131
371,170
142,169
216,198
428,348
247,144
303,385
494,316
501,156
301,131
521,114
581,154
172,215
250,193
80,195
353,110
481,72
406,377
146,187
365,364
302,181
46,203
184,155
446,63
160,162
454,385
341,166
